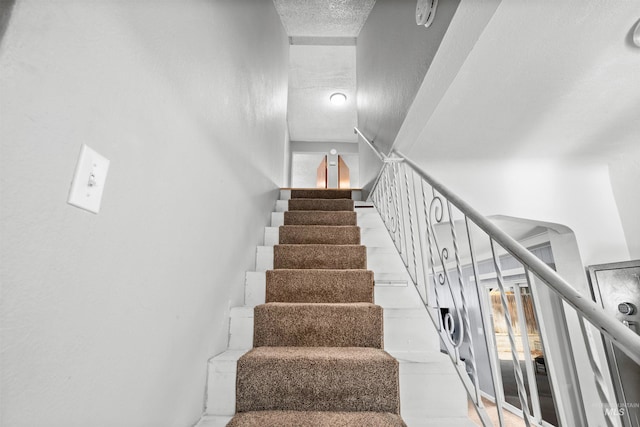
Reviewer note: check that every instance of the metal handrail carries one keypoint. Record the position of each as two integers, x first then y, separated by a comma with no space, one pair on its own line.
379,153
620,335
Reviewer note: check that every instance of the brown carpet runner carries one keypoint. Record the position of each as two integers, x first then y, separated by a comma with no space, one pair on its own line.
317,286
315,419
284,324
320,218
320,205
320,193
317,379
317,358
319,234
342,257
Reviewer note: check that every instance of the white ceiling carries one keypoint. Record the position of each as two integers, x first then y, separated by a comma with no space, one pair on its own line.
322,61
323,18
545,79
316,72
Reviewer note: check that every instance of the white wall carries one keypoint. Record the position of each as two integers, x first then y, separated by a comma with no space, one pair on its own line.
353,163
393,57
304,169
577,195
109,319
624,172
307,155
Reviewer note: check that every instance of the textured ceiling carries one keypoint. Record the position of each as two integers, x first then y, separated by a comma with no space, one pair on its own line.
323,18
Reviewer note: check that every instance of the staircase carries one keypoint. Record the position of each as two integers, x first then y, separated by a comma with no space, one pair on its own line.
317,336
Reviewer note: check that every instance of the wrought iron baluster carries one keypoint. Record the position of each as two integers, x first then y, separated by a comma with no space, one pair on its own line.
399,212
463,300
411,233
393,197
452,322
594,361
524,336
522,393
384,198
492,350
425,266
434,275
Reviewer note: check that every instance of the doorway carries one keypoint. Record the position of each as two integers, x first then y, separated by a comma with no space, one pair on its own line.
616,287
529,350
319,170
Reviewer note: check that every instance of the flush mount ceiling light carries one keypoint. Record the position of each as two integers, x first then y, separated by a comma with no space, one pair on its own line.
338,98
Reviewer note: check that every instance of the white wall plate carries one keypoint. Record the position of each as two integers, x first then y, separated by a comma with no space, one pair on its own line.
88,181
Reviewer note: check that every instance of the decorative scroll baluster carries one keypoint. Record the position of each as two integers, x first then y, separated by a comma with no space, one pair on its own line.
463,300
434,275
452,322
522,393
389,197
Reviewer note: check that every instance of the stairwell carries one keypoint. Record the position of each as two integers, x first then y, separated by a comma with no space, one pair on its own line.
308,347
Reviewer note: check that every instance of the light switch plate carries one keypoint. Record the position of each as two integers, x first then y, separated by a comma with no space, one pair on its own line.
88,181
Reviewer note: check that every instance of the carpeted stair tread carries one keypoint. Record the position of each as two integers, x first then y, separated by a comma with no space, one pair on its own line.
339,257
320,234
315,419
313,285
317,379
320,193
320,218
321,205
278,324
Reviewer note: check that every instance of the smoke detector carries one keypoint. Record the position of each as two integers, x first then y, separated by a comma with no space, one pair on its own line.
426,12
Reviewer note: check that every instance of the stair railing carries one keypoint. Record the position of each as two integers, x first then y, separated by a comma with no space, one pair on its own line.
438,236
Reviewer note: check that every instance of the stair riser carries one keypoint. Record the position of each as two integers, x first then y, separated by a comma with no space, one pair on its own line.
329,235
427,390
320,218
369,237
389,295
317,386
319,257
319,286
320,205
385,263
315,419
355,195
405,330
320,194
318,325
365,218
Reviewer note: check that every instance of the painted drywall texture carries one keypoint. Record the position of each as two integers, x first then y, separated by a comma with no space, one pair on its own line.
109,319
392,58
316,72
624,172
577,195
